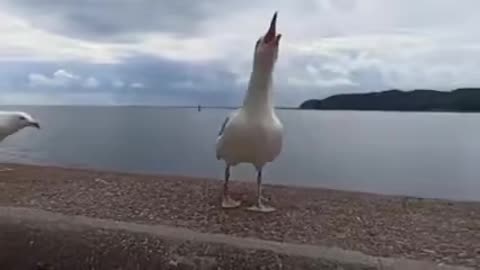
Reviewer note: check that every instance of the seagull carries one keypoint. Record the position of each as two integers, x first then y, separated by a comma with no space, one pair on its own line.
253,133
11,122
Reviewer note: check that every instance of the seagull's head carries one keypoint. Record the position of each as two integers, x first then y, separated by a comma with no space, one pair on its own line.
19,120
266,48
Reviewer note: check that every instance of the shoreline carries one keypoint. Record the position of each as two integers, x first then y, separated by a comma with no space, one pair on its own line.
436,230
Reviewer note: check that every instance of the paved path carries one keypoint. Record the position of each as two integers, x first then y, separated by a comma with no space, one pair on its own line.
32,236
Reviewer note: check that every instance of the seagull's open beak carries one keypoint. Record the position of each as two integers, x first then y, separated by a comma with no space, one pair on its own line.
34,124
271,33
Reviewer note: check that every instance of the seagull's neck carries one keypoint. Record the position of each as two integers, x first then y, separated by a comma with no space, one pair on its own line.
259,92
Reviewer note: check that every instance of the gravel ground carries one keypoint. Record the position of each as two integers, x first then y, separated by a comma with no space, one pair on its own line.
434,230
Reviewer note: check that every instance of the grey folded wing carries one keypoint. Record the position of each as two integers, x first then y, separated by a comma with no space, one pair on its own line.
222,128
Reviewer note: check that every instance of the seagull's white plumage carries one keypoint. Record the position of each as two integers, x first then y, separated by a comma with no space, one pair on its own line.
249,137
11,122
253,133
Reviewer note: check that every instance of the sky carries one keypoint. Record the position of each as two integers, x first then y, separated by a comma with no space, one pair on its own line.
120,52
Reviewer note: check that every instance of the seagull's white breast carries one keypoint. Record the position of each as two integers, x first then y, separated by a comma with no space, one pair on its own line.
250,138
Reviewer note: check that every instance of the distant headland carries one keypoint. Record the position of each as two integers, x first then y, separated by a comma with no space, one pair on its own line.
458,100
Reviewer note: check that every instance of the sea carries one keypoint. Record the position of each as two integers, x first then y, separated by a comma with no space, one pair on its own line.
432,155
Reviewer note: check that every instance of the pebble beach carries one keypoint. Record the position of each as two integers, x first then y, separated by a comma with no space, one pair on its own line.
440,231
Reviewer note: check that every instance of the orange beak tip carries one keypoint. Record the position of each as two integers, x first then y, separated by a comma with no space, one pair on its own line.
272,29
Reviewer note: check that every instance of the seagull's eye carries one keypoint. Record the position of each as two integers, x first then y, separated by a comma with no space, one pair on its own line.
22,118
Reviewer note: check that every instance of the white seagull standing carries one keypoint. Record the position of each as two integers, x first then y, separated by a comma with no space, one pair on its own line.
253,133
11,122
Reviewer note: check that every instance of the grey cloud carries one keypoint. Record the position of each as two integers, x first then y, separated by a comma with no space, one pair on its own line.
449,57
107,20
121,82
124,20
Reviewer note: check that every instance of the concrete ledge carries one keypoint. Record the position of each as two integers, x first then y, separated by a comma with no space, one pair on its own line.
36,238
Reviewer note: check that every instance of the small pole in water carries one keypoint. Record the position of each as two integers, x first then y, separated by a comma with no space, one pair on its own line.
199,107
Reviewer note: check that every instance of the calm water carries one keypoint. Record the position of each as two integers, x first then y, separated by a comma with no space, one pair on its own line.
418,154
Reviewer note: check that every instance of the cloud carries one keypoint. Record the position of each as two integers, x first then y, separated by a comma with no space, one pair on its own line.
40,79
59,78
316,82
202,51
91,82
137,85
62,78
213,85
119,21
118,84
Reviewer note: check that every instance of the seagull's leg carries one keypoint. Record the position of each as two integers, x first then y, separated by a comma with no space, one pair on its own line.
259,206
227,201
